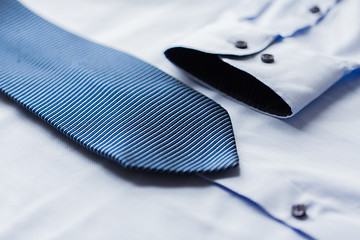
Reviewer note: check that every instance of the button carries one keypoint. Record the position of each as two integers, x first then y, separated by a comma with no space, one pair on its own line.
298,210
315,9
241,44
267,58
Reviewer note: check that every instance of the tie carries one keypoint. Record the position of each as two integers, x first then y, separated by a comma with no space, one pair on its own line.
109,102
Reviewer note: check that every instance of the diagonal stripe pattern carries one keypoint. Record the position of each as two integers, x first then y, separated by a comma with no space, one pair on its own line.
109,102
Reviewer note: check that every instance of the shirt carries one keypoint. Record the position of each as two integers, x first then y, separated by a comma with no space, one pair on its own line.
53,189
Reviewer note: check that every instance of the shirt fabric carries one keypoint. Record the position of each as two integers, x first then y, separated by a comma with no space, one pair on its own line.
53,189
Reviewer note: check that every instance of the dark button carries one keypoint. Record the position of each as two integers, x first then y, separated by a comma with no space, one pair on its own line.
315,9
267,58
241,44
298,210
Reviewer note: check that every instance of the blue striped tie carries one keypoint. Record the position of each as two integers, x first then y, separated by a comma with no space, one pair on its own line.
109,102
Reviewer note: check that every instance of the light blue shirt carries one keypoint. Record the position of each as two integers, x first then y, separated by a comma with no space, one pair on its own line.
53,189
